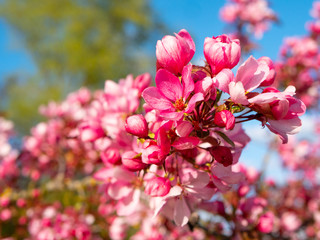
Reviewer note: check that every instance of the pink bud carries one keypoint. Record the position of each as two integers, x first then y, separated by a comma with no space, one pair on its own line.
111,155
21,202
35,193
224,119
132,161
173,53
222,155
221,52
5,214
272,73
243,190
142,81
4,201
265,223
158,187
137,125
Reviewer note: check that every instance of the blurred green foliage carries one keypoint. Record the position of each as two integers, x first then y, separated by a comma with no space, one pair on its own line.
75,43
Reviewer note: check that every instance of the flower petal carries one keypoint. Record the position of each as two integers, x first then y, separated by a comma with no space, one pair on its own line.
187,81
169,85
237,93
155,99
192,103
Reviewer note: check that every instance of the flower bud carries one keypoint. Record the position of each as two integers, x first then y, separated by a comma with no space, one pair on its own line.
173,53
272,73
222,155
21,202
137,125
221,52
158,187
224,119
142,81
111,155
265,223
132,161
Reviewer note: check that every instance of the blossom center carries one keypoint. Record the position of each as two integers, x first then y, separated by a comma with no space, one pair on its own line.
179,105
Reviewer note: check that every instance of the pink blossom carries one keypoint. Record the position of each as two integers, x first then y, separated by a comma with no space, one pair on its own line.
152,154
224,177
225,119
290,221
132,161
170,97
111,155
249,76
265,223
173,53
229,12
5,214
177,204
142,81
221,52
158,187
137,125
272,73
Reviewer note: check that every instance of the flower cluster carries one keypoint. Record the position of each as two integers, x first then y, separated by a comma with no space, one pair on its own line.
155,165
299,63
248,16
190,137
8,154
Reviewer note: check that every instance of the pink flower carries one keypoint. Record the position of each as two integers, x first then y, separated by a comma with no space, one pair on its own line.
249,76
225,119
158,187
170,97
111,155
290,221
152,154
281,111
5,214
173,53
132,161
223,177
229,13
272,73
221,52
178,203
137,125
91,131
265,223
142,81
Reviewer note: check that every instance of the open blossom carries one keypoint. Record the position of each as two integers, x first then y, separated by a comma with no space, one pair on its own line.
170,97
221,52
173,53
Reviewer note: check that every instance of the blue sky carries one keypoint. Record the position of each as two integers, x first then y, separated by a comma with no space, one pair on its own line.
201,19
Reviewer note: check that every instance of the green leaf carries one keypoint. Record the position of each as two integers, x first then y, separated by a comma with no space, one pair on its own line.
226,138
